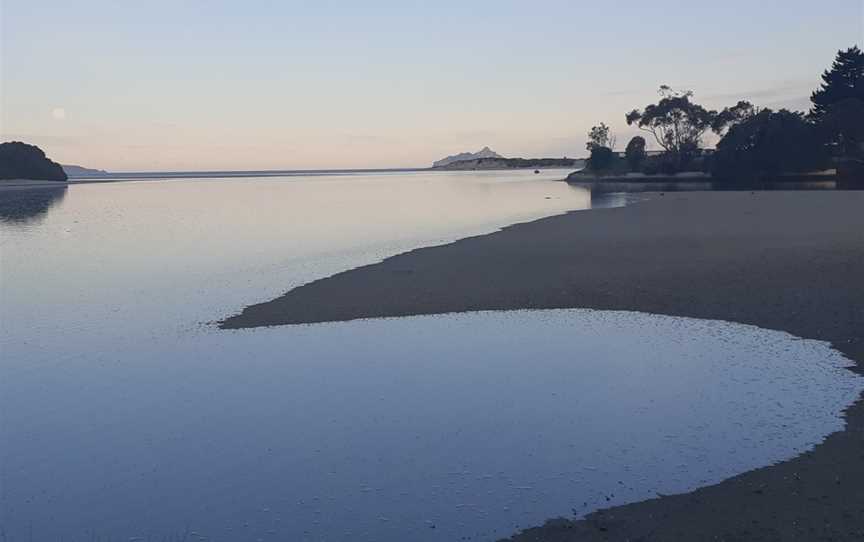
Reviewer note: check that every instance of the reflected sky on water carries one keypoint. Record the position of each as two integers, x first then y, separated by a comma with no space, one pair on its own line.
124,413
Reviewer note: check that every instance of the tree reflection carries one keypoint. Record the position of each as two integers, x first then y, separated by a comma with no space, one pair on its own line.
28,205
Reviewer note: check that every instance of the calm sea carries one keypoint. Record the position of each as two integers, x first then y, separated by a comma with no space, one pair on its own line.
126,415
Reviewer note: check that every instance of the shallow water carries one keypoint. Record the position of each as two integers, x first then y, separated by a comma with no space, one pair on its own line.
123,414
424,428
122,254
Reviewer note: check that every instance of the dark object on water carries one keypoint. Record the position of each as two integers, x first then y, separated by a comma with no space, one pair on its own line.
22,161
536,171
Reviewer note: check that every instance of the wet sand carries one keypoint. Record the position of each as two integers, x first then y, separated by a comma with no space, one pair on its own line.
790,261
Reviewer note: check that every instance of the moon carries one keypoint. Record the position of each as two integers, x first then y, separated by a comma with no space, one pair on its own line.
58,113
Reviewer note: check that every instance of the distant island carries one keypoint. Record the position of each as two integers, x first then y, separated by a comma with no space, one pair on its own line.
79,171
512,163
20,161
488,159
485,152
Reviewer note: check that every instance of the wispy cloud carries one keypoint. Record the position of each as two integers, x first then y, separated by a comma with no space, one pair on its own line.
783,90
365,138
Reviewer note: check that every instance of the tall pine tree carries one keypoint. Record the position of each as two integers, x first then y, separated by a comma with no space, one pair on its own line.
843,81
838,105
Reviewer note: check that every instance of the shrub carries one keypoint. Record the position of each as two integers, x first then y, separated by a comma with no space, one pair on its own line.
635,153
768,144
601,158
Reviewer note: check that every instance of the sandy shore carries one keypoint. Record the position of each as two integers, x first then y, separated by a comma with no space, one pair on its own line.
791,261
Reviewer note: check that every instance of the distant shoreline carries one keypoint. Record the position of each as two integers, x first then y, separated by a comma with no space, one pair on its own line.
492,164
24,184
226,174
622,182
691,176
241,174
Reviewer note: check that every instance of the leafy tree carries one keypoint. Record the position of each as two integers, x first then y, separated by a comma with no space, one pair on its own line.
731,116
767,144
600,143
635,152
601,159
599,136
838,103
22,161
676,123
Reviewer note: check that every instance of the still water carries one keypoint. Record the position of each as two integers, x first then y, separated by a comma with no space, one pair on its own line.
124,414
157,256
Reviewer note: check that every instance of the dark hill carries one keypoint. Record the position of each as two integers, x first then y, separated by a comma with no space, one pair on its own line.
22,161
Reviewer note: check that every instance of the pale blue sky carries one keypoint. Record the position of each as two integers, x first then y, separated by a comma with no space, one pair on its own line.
138,85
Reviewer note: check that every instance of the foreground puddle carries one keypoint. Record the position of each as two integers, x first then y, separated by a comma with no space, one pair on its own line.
423,428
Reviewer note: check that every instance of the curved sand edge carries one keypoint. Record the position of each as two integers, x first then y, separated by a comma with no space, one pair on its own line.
791,261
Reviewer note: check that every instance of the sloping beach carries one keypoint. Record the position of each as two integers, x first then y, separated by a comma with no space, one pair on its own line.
789,261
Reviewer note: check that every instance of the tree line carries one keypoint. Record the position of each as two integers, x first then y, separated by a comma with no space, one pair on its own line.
754,142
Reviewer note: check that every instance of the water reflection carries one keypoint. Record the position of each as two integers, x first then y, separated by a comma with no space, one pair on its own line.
29,205
201,248
607,200
123,418
428,429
